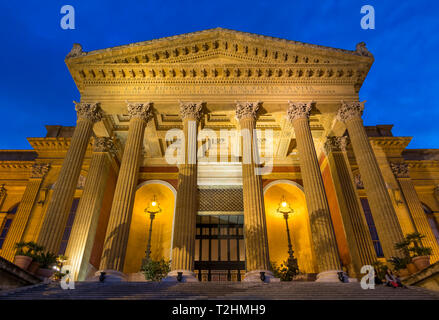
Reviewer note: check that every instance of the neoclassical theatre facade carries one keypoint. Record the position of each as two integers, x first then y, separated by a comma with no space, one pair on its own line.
221,130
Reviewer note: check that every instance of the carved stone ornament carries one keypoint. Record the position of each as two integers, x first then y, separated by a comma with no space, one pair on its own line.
104,144
358,182
349,110
76,51
140,110
436,191
89,111
299,110
335,144
191,110
2,191
400,169
361,50
247,109
39,170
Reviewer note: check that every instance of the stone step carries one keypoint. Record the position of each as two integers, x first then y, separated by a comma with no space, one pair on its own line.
226,291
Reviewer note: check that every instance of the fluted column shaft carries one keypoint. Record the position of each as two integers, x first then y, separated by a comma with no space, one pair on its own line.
386,221
24,211
183,246
59,207
84,228
255,226
323,236
354,222
419,217
116,239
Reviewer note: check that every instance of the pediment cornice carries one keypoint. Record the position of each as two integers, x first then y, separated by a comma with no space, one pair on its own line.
219,54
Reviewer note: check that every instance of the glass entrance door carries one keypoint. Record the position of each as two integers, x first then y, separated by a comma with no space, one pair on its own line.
219,247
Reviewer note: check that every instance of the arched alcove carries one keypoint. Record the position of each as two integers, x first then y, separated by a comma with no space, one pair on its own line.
161,240
298,222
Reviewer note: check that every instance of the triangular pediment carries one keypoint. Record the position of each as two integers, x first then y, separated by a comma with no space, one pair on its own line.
219,53
225,45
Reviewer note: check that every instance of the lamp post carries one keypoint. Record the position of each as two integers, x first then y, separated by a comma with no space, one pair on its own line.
285,209
153,208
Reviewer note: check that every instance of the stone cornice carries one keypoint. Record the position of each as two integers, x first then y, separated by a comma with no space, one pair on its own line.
220,53
215,39
423,164
392,146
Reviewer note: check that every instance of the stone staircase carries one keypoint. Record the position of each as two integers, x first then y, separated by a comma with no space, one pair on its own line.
215,291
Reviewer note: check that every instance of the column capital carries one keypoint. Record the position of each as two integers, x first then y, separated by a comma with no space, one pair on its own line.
298,110
2,191
141,110
247,109
104,144
400,169
436,190
192,110
39,170
89,111
350,110
335,144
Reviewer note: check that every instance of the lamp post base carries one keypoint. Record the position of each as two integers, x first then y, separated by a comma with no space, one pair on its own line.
256,276
110,276
328,276
180,276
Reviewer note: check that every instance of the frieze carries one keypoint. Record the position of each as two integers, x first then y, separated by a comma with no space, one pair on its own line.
218,89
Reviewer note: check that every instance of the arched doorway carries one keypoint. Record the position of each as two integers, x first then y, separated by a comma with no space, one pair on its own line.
298,222
161,239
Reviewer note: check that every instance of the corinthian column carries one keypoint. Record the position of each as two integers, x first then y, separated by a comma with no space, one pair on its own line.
84,227
58,210
354,222
116,239
420,220
255,227
323,236
183,246
386,221
27,203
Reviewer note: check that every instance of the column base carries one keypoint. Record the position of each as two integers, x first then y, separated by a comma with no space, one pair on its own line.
186,276
328,276
255,276
110,276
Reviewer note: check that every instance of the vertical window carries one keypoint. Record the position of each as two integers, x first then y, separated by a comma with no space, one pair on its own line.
68,228
7,224
372,229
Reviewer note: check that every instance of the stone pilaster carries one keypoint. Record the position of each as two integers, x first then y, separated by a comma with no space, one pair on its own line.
436,192
58,210
183,247
255,227
354,222
3,194
386,221
27,203
84,227
323,236
116,238
420,220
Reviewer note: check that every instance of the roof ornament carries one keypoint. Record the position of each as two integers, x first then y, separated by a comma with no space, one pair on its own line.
76,51
362,50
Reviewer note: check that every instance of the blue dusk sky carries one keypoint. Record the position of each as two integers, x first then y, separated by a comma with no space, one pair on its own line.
36,88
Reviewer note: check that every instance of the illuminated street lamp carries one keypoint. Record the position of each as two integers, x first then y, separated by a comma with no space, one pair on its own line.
286,210
153,208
